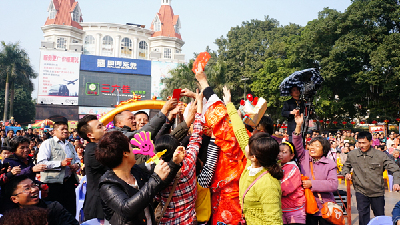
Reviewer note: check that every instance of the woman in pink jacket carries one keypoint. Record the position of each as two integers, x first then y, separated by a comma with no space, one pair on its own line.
293,199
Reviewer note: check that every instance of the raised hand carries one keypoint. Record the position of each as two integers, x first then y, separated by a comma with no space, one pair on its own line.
188,93
144,143
298,118
179,155
199,100
169,105
162,170
227,95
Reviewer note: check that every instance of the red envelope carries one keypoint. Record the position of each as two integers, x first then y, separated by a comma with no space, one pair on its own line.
202,58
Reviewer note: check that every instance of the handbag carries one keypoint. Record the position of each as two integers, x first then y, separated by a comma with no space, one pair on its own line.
311,203
160,210
242,220
330,211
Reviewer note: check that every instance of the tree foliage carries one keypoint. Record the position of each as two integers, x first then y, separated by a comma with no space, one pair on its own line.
356,51
15,69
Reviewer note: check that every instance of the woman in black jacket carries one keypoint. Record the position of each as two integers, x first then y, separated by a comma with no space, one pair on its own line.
127,190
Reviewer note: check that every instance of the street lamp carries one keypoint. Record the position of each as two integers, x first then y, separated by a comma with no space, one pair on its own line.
244,79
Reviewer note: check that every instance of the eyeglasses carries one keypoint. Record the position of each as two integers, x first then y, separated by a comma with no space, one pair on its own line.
28,188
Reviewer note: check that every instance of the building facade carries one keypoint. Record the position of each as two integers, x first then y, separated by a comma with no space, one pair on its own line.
96,65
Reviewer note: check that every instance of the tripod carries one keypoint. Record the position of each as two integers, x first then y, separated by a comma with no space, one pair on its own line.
309,113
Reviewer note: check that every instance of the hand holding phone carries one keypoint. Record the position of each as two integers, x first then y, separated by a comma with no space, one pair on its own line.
176,94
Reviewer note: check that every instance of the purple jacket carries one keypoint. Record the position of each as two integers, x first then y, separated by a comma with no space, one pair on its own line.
325,172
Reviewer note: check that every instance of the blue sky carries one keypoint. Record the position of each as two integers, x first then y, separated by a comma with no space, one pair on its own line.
202,21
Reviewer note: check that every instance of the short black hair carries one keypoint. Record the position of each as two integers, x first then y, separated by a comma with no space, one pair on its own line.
326,146
141,112
111,148
16,141
316,131
268,125
57,124
18,131
117,117
4,148
83,127
168,142
12,184
364,134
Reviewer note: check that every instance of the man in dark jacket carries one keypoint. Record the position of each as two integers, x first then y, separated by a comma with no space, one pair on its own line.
122,121
92,130
289,106
23,192
368,165
20,157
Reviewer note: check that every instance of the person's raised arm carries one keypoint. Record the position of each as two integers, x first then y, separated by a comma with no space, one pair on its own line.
238,127
207,172
202,79
297,138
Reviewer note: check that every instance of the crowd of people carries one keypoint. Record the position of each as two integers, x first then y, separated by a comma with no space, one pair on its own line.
214,168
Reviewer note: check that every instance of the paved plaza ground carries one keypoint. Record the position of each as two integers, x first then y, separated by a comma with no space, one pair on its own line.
391,198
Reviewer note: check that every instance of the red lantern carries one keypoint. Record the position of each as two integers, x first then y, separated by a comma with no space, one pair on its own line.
321,121
242,102
250,97
362,122
386,121
374,122
279,125
328,122
398,119
335,122
344,122
314,121
352,123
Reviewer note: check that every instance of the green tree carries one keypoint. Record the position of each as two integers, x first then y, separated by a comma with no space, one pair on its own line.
15,68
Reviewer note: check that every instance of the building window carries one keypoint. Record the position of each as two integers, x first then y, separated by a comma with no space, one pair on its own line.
61,43
107,47
76,14
89,46
143,47
157,24
177,51
167,53
52,11
126,48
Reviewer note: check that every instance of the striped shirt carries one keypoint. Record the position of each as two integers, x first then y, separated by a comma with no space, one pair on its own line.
208,170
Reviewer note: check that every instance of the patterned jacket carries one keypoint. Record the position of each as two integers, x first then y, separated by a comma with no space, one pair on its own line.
181,209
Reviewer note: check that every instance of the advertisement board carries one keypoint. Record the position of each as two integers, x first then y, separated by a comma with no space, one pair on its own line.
108,89
159,71
115,65
58,77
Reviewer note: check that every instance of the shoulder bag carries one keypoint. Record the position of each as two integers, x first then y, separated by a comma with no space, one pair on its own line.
330,211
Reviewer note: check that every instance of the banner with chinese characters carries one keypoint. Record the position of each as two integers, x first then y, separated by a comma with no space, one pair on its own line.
115,65
159,71
58,77
108,89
